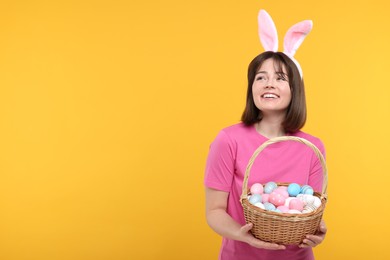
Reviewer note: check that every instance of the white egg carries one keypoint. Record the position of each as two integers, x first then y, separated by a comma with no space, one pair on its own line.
308,208
302,198
309,199
260,205
317,202
294,211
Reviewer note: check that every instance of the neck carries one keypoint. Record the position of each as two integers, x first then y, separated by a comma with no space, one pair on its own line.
270,127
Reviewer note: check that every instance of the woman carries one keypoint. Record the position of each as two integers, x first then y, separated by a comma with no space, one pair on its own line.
275,106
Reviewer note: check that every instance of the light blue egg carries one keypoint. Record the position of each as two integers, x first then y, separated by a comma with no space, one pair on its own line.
293,189
255,198
304,188
309,191
270,187
269,206
277,210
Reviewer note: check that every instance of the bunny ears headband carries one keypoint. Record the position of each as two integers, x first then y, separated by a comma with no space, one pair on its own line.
292,40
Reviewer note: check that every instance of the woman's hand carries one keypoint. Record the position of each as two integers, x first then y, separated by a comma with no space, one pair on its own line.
223,224
251,240
314,240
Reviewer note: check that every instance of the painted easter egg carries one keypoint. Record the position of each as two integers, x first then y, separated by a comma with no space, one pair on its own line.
269,206
255,198
270,187
296,204
277,199
257,188
293,189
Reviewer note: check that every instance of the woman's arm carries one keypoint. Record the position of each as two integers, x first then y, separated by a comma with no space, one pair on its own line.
224,225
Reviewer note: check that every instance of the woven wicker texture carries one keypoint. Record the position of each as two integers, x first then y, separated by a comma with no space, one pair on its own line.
283,228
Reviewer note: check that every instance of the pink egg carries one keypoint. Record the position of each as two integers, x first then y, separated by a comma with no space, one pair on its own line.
283,188
283,192
265,197
287,203
257,188
296,204
283,208
277,199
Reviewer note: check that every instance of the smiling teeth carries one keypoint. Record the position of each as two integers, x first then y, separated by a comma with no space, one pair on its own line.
270,96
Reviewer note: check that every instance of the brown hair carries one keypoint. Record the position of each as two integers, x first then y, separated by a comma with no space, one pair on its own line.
296,111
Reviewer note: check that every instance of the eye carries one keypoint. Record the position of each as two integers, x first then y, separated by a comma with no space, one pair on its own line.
282,77
259,78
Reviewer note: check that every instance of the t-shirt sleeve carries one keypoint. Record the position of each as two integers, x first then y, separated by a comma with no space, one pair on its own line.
316,173
220,163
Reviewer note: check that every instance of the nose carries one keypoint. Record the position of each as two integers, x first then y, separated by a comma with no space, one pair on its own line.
269,84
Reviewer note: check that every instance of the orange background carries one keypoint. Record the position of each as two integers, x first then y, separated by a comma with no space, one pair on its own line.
107,109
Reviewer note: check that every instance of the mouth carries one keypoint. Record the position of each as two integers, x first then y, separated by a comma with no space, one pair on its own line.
269,96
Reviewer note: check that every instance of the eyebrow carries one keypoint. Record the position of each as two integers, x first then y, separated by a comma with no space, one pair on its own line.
264,72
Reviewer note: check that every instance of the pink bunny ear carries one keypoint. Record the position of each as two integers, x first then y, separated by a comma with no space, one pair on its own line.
267,32
295,36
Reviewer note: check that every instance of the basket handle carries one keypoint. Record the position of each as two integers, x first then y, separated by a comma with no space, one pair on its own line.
318,153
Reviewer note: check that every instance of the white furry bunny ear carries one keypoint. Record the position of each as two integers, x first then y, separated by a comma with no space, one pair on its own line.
267,32
294,38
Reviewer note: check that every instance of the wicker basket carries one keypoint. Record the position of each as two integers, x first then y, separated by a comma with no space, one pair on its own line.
283,228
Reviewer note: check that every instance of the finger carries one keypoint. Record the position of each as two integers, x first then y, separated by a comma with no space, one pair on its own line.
308,243
265,245
246,227
304,245
312,240
315,239
272,247
278,247
323,228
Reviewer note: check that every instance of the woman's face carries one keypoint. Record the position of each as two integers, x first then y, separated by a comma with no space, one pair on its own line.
271,89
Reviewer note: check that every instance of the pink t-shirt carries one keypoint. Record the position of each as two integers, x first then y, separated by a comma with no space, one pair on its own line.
280,162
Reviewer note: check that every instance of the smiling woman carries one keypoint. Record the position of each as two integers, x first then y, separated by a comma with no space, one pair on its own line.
275,106
271,91
275,73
